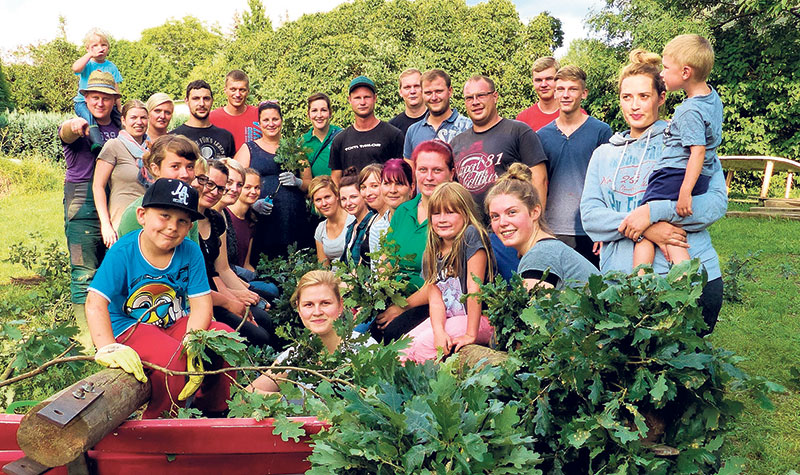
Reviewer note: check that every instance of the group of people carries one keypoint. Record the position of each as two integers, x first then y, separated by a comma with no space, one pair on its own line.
165,229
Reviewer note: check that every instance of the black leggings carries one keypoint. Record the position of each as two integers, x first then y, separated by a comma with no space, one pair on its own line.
710,302
262,334
404,323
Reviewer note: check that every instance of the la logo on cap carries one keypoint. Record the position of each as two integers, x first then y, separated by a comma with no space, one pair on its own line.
181,194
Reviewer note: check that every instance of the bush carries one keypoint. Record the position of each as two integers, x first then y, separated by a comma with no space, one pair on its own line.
33,132
34,174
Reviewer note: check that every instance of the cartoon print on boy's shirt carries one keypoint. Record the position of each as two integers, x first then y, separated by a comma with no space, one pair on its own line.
451,295
154,301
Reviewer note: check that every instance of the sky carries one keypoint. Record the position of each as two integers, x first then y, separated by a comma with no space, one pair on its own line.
32,21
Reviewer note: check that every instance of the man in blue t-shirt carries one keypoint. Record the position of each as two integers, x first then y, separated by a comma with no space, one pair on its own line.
569,142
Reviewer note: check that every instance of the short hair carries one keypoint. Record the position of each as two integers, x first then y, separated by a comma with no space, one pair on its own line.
133,104
269,105
91,34
198,84
406,73
436,146
320,183
349,178
517,183
481,77
433,74
366,172
693,51
571,73
543,63
643,63
252,171
397,170
234,165
237,75
216,164
317,96
177,144
316,277
157,99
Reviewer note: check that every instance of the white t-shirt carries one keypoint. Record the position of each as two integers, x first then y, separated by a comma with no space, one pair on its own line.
333,247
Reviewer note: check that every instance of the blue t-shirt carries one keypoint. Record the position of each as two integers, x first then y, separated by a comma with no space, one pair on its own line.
421,131
92,65
697,121
563,264
135,289
567,161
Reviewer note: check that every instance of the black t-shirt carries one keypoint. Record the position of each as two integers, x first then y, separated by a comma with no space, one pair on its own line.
213,141
352,148
480,158
402,121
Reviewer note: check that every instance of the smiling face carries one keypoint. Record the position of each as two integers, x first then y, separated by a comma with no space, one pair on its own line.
236,92
251,189
135,122
271,123
436,95
447,224
395,194
163,228
319,308
512,222
569,95
199,102
639,101
319,114
481,102
233,187
362,100
210,196
410,89
161,115
351,200
431,169
99,104
371,191
174,166
544,83
326,202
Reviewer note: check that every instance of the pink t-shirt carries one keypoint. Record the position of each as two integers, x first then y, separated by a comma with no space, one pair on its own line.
244,127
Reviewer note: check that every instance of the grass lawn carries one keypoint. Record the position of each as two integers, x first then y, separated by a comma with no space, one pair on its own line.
764,328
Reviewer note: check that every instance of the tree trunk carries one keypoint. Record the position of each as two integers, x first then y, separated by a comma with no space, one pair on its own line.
45,442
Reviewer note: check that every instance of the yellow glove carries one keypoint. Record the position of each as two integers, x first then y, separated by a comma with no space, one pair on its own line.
123,357
193,363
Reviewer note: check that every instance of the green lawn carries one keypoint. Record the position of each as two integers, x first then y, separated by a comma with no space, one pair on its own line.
764,328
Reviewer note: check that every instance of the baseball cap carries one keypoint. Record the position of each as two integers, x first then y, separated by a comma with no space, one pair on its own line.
362,81
100,81
171,193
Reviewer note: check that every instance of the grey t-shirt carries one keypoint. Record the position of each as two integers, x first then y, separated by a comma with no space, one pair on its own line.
697,121
565,265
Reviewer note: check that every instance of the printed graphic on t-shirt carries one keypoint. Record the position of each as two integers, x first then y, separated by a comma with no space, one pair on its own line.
252,132
209,147
476,170
451,295
153,300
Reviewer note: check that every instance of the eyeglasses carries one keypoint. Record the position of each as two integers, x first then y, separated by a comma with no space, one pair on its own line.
478,97
210,185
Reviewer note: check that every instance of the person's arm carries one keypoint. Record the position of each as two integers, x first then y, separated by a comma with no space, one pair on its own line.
233,283
98,319
247,264
321,257
336,176
708,208
80,63
539,182
663,234
600,220
200,312
438,316
476,267
73,129
694,166
417,299
223,298
306,177
102,172
243,156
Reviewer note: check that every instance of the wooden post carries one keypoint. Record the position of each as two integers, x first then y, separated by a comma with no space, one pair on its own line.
51,445
767,177
728,180
789,177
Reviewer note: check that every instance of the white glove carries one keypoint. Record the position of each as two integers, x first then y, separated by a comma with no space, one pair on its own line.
288,179
263,207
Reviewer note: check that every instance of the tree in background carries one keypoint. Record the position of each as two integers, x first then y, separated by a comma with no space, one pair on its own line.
5,93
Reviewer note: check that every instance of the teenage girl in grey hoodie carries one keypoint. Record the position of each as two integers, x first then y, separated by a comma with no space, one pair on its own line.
617,178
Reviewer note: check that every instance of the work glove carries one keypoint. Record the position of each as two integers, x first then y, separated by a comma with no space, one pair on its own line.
288,179
117,355
194,362
263,207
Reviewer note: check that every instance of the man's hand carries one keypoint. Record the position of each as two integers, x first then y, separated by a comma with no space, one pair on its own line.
636,222
79,126
684,207
597,247
117,355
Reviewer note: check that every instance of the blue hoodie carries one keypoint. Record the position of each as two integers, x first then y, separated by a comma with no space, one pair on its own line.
615,182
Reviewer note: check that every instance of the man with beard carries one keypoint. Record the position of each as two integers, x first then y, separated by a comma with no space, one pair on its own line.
213,141
236,116
410,91
441,121
368,140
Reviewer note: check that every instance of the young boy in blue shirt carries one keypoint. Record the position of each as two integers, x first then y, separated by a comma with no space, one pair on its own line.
149,292
97,48
690,141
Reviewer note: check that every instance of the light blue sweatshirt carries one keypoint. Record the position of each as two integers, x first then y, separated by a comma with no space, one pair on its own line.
615,182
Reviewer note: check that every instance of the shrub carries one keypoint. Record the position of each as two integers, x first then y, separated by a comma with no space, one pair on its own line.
33,174
33,132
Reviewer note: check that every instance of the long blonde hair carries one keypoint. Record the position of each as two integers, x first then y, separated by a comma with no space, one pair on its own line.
453,197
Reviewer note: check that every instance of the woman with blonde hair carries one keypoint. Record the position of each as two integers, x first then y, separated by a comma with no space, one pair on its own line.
330,233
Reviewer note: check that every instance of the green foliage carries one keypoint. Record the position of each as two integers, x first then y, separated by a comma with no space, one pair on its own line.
5,94
291,156
736,271
145,71
183,44
41,78
229,345
609,363
31,175
49,262
32,133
